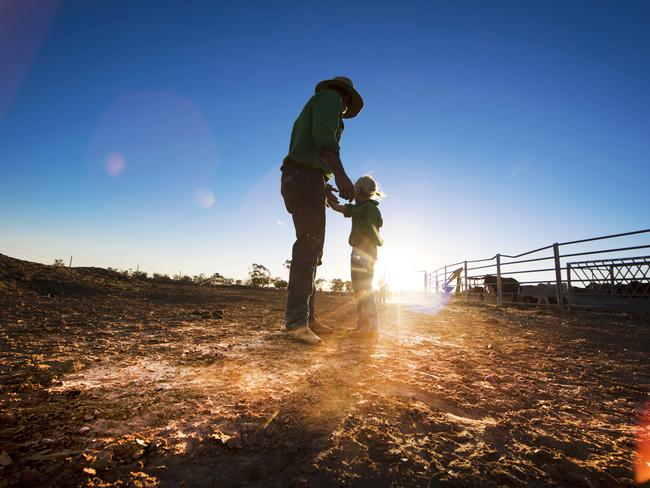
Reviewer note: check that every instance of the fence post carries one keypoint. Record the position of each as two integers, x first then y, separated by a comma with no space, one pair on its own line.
499,287
466,284
558,275
426,282
70,265
445,282
568,285
437,284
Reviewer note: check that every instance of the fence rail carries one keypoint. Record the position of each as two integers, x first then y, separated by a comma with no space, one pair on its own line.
615,280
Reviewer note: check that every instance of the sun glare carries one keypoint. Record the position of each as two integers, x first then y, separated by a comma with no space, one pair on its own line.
397,274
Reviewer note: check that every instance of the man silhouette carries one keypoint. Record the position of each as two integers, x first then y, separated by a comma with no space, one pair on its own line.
312,160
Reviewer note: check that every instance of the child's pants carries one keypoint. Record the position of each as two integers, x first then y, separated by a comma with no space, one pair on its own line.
363,270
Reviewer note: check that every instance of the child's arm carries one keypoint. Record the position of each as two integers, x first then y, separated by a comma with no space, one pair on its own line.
332,201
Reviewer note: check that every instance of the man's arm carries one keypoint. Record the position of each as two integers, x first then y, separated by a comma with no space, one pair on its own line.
343,183
327,116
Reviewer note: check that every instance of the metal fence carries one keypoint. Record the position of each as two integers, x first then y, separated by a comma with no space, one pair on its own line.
615,277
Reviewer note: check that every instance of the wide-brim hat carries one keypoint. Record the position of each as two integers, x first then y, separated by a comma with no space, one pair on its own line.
344,83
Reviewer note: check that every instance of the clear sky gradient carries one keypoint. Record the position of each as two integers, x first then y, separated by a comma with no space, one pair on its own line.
151,133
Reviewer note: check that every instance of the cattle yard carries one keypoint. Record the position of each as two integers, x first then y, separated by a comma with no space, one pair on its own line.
609,272
113,381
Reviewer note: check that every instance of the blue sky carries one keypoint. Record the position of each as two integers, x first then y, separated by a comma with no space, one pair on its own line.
151,133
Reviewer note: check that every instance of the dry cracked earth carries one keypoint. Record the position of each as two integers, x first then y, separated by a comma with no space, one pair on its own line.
111,381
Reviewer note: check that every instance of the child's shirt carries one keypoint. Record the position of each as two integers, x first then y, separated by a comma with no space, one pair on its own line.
366,222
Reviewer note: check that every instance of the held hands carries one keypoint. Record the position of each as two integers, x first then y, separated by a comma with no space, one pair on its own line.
346,188
330,198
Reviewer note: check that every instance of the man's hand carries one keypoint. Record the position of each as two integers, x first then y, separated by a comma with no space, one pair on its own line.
331,199
346,188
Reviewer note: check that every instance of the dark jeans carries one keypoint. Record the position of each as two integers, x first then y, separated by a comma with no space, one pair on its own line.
303,192
363,270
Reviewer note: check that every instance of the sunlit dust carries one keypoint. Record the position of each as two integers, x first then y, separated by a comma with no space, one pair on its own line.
204,198
115,164
642,468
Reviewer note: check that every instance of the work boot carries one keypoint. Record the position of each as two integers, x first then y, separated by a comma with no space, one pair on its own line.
305,335
320,328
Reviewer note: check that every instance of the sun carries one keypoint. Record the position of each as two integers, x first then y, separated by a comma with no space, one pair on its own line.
395,270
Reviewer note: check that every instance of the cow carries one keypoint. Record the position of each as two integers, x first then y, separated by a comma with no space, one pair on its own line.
509,286
633,288
540,294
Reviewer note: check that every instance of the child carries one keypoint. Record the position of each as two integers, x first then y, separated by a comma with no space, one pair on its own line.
364,239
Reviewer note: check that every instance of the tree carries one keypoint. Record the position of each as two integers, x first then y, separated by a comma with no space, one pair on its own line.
259,275
280,283
59,263
319,284
348,287
337,285
199,279
287,263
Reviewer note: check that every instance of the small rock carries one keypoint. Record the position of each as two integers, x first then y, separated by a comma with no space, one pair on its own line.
5,459
90,471
154,445
89,417
104,460
234,443
489,346
84,429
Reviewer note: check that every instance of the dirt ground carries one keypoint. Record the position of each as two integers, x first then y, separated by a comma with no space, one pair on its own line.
110,381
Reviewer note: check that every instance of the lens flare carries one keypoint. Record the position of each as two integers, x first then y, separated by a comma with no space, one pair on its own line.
642,469
115,164
204,198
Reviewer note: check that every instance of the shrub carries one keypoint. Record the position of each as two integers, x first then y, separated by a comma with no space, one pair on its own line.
260,276
161,278
280,283
337,285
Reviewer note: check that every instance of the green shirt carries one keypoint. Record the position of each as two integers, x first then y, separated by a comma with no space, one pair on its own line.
366,222
319,126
